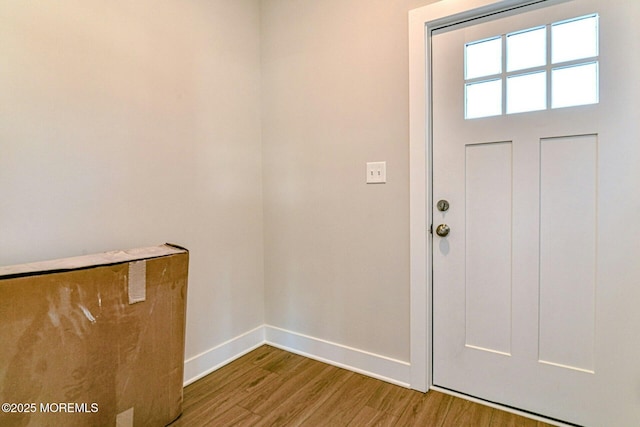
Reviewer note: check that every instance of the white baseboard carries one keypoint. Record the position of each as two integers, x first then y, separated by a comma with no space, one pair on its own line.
208,361
370,364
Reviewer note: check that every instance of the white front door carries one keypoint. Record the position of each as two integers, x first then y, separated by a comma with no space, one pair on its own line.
536,288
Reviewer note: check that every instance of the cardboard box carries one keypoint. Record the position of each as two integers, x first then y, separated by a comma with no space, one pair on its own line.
96,340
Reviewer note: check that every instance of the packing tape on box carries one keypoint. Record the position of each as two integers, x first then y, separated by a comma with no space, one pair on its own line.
125,418
137,281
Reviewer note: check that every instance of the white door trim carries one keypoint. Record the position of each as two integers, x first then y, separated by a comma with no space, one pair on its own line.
421,22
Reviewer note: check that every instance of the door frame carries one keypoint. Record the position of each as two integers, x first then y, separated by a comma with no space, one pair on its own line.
422,22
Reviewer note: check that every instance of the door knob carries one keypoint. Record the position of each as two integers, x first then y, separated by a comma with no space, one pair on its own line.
442,230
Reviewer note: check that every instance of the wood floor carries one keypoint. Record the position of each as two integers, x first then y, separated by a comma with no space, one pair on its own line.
272,387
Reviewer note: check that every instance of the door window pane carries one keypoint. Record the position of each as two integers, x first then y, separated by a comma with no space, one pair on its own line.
483,99
483,58
527,92
577,85
549,66
574,39
527,49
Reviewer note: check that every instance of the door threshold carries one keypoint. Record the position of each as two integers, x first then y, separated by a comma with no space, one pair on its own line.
502,407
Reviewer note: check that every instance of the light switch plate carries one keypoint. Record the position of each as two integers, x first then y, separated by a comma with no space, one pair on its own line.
376,172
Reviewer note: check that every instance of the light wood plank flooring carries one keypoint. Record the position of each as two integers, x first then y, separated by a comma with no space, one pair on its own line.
272,387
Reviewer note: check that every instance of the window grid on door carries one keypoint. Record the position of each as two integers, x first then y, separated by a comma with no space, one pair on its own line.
545,67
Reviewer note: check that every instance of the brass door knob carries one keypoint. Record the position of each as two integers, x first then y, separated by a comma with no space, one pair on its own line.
442,230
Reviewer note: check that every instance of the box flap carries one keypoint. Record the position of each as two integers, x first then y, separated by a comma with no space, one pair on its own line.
88,261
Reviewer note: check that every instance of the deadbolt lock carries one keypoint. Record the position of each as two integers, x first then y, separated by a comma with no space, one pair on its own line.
443,205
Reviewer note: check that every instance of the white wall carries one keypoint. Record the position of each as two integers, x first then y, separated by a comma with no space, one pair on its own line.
132,123
335,95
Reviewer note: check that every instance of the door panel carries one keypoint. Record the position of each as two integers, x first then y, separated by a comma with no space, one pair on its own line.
568,233
488,201
535,289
